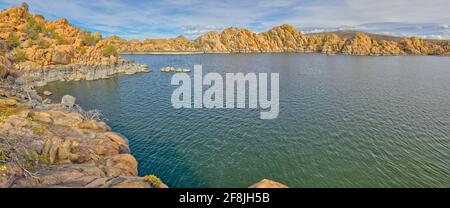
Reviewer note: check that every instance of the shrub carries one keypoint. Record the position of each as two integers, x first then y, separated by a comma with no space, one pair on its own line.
60,39
31,159
33,28
20,55
109,50
95,114
24,5
153,180
13,150
83,50
12,41
3,153
5,112
90,40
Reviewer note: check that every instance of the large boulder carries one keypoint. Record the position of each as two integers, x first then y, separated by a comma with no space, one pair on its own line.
34,95
93,125
119,140
62,55
121,165
65,119
68,101
47,93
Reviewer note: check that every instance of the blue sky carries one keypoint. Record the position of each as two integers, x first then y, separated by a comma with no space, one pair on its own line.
163,18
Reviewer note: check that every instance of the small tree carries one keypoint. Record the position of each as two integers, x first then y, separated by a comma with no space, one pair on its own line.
12,41
25,6
20,55
33,28
60,39
90,40
109,50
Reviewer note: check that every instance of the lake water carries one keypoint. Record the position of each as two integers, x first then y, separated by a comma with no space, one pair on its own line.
344,122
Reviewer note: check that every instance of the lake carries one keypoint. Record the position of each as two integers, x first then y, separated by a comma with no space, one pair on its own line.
344,121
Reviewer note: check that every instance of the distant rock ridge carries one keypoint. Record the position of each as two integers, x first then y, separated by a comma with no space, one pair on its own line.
286,38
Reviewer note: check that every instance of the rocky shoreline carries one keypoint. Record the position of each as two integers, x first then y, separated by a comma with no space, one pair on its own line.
61,145
41,76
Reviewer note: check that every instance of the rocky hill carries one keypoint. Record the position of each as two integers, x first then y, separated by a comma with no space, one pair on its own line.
28,42
286,38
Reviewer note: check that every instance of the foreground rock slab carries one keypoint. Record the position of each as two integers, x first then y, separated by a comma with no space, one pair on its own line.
59,147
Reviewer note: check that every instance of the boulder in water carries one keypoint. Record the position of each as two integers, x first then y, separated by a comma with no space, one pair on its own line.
68,101
47,93
265,183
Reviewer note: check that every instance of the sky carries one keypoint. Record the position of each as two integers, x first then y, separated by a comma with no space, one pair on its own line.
140,19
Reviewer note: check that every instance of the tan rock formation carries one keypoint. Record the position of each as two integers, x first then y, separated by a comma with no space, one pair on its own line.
36,43
265,183
286,38
57,147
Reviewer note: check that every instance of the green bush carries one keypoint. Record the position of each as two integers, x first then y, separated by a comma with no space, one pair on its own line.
20,55
154,181
60,39
109,50
90,40
12,41
33,28
32,160
24,5
5,112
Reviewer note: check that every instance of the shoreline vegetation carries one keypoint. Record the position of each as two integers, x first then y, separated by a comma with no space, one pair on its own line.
43,144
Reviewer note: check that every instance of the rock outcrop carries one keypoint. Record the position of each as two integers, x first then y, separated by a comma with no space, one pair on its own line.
286,38
42,51
57,145
42,76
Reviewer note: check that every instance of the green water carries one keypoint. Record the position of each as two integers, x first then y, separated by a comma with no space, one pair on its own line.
344,122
